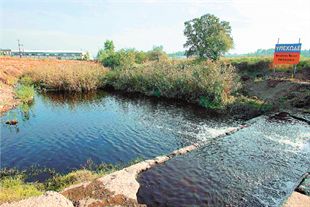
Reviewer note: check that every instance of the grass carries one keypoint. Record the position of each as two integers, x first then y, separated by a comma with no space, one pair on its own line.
25,93
13,189
207,83
60,182
14,185
252,103
68,76
264,63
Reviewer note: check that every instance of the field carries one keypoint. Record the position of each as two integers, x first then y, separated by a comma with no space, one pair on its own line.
61,74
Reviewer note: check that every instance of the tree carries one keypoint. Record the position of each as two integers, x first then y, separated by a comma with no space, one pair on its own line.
157,53
107,51
107,56
207,37
86,56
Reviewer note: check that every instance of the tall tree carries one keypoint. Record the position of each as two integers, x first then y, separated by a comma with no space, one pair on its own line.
107,50
207,37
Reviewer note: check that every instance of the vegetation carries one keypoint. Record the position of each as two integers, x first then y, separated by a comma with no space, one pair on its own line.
15,185
128,57
208,83
266,52
15,189
260,63
67,76
207,37
25,93
25,90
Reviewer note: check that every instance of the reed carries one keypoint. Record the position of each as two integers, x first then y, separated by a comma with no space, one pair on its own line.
67,75
211,84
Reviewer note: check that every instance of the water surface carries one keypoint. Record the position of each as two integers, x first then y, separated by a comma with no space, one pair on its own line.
63,131
257,166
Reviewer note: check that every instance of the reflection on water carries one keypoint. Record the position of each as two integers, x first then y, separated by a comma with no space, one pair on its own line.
63,131
73,100
257,166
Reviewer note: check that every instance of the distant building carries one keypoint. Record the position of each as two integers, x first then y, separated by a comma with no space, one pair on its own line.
57,54
5,52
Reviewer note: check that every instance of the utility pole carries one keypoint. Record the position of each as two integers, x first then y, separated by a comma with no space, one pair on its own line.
19,48
295,67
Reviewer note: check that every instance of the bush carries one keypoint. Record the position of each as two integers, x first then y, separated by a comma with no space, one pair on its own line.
209,83
25,93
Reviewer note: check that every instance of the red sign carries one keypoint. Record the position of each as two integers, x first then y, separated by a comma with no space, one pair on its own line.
287,54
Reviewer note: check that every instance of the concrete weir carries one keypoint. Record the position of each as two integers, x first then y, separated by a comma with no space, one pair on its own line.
124,181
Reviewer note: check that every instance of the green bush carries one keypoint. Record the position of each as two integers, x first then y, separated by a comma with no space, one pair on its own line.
25,93
209,83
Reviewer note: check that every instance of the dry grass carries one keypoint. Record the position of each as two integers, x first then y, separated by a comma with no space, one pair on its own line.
68,75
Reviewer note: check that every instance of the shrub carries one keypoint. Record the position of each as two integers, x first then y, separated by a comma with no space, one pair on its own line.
209,83
25,93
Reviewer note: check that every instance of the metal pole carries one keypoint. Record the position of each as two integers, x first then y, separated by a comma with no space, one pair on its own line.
294,70
19,49
295,67
274,68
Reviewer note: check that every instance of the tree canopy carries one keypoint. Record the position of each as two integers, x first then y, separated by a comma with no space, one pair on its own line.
207,37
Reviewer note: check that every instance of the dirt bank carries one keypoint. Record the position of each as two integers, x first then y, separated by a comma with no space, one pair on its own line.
283,94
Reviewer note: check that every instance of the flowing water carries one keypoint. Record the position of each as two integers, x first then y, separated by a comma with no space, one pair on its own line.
63,131
256,166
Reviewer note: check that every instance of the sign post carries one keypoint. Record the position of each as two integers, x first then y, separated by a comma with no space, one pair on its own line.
287,54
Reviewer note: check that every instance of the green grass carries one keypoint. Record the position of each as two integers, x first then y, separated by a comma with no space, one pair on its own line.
60,182
253,103
264,63
14,188
25,93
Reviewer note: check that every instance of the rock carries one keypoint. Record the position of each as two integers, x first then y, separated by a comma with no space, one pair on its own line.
48,199
245,78
302,103
304,187
11,122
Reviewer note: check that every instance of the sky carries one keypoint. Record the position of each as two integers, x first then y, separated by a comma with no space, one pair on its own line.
141,24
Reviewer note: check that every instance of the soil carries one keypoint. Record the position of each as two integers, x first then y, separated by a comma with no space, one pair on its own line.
7,98
96,195
48,199
287,94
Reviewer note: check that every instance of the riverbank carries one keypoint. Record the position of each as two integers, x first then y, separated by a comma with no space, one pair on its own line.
48,74
256,95
215,86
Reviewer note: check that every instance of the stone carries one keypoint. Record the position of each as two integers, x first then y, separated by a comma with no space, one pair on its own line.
48,199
